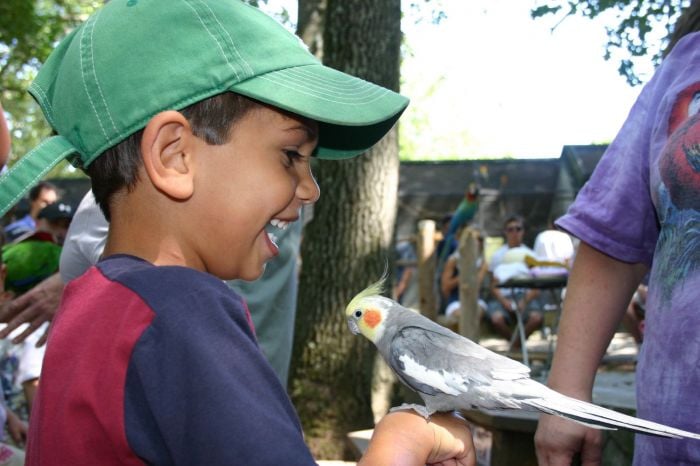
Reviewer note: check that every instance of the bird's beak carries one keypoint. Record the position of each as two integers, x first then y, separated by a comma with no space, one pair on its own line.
352,325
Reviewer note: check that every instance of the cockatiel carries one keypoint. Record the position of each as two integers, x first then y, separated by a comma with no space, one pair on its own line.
450,372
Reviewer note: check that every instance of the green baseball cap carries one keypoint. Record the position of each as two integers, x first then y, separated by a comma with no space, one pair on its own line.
135,58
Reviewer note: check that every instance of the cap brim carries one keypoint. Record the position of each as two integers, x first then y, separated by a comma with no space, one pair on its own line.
31,168
353,114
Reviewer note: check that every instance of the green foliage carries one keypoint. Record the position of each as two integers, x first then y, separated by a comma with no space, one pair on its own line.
29,30
632,37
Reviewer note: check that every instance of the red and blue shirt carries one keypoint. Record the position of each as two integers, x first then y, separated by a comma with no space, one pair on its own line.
158,365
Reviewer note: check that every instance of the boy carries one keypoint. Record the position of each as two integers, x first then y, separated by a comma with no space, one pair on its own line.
195,121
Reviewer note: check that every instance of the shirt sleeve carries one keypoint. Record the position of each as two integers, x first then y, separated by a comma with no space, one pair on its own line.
85,239
199,390
614,212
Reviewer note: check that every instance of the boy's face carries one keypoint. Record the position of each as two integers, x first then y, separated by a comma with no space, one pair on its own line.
261,174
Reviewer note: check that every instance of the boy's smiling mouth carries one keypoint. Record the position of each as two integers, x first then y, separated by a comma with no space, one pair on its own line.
279,224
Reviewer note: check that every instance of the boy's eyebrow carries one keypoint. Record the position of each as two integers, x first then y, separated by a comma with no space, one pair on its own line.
311,132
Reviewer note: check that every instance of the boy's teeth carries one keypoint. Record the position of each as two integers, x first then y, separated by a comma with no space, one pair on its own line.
281,224
273,238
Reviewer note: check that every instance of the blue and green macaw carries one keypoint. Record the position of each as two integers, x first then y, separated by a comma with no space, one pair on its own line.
465,212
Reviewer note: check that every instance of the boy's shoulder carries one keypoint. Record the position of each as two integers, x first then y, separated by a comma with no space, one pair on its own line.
160,296
162,282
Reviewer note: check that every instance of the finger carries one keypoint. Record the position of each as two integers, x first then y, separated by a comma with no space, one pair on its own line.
16,436
42,340
14,324
552,455
30,313
591,454
558,459
33,326
26,315
11,307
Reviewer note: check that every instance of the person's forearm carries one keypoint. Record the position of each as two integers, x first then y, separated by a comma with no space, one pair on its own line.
498,295
448,285
531,294
597,295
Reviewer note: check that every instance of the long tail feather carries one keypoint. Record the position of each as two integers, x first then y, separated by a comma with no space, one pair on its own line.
602,418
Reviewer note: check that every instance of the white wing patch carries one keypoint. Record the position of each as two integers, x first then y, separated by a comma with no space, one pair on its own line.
447,382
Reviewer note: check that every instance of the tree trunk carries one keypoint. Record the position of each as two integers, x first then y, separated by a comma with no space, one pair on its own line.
348,243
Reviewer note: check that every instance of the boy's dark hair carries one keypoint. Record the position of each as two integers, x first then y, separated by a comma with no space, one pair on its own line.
38,188
211,119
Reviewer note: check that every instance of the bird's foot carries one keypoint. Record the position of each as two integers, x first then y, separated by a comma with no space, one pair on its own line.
422,410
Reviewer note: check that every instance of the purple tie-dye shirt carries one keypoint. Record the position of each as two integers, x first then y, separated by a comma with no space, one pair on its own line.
642,204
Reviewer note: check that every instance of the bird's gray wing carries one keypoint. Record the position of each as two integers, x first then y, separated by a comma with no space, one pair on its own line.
437,361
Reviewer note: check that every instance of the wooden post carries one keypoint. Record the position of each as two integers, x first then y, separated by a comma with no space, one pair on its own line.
425,250
468,286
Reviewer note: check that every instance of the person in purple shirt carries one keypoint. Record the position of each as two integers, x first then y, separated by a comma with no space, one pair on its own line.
639,211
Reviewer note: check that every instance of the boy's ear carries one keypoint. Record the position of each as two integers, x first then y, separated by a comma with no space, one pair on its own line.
166,152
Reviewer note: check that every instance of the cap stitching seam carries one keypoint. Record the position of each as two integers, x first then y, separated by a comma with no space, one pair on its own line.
82,74
199,17
233,44
321,96
94,71
45,100
21,162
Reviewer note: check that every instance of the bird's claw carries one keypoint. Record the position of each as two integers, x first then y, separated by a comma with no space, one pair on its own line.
419,409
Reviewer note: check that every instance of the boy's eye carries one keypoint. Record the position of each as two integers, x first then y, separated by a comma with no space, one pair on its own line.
293,156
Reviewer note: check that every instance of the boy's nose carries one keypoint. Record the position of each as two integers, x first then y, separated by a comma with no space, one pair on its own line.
308,190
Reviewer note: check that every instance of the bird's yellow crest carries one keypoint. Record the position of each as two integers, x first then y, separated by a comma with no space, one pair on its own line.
376,288
366,311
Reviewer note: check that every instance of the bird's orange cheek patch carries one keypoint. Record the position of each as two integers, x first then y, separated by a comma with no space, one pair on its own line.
372,318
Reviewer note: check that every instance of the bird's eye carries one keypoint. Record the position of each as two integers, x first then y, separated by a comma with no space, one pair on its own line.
358,313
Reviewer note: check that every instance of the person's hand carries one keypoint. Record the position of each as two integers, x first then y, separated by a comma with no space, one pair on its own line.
16,427
405,438
507,305
452,441
557,441
34,307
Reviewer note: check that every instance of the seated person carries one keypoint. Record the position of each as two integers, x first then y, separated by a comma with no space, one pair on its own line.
506,302
449,284
405,290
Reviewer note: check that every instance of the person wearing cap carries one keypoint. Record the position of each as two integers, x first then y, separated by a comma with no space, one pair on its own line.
41,195
195,136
